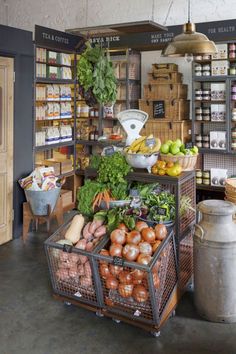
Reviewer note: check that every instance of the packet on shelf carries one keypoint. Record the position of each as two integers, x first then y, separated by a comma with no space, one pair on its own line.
56,92
56,110
41,179
52,57
65,59
49,114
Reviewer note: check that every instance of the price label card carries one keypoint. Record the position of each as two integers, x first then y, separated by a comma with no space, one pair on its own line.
134,193
161,211
67,248
150,142
137,313
189,145
109,151
118,261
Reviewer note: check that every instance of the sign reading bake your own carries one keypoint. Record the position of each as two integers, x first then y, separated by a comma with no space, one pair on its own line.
158,109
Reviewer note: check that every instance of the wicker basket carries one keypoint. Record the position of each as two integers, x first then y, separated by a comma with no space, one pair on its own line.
230,185
187,162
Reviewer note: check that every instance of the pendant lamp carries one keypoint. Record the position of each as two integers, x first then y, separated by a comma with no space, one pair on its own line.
189,42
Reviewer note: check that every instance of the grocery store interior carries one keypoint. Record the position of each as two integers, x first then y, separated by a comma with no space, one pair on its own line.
117,176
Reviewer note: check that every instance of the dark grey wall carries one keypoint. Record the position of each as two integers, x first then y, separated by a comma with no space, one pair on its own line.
19,45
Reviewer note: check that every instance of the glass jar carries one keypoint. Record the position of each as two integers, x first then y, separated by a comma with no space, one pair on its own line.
198,110
198,117
206,144
198,95
206,138
199,144
199,180
198,137
206,181
232,47
206,117
206,174
232,69
232,54
199,173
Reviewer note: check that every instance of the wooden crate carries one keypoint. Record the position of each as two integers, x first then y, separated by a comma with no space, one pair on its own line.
168,78
168,130
172,109
56,165
164,68
165,91
65,164
67,197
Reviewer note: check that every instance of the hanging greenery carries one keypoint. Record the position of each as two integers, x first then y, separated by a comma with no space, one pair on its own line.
96,75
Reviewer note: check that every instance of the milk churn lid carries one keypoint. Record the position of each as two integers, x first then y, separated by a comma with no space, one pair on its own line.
216,207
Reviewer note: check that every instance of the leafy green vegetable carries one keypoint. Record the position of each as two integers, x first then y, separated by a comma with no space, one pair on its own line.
113,169
95,161
95,71
119,191
86,194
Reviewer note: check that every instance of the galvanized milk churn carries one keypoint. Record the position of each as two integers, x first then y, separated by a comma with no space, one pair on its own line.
215,261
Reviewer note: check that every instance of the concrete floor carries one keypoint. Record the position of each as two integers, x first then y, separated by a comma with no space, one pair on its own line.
32,322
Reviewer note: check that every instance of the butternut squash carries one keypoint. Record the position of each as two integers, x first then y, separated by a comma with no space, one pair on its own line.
73,233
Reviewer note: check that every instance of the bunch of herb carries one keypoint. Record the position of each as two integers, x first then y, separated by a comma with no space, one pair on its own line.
113,169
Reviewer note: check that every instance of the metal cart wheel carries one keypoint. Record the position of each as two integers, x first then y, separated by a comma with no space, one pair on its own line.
156,334
116,320
99,314
67,303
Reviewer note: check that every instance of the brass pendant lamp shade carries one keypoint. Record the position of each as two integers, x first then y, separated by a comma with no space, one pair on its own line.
189,42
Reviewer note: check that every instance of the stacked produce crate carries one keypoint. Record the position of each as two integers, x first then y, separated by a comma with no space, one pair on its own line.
165,100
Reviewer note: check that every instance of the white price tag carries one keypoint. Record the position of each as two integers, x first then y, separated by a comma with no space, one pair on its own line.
78,294
137,313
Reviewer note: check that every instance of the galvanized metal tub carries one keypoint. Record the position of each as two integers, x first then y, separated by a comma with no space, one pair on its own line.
39,200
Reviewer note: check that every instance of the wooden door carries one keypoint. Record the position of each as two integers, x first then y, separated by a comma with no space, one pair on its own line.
6,148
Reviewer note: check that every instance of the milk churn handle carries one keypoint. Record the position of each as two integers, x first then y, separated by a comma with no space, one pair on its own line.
201,231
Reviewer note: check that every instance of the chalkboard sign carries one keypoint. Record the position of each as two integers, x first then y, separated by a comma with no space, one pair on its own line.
158,109
188,145
109,151
161,211
118,261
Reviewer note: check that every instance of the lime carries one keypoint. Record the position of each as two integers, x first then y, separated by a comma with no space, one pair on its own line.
164,148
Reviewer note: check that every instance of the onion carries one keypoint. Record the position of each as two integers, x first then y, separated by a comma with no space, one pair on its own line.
130,252
104,271
122,226
125,290
160,231
140,225
118,236
115,270
133,237
138,274
148,234
156,280
125,277
115,250
111,283
144,259
156,266
104,252
156,245
137,281
140,294
145,248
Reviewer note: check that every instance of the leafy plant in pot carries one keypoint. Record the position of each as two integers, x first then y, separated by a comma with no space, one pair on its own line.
96,76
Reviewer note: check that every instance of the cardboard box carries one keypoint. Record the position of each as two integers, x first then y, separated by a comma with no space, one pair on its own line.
218,140
219,68
218,91
222,52
54,164
66,196
218,176
218,112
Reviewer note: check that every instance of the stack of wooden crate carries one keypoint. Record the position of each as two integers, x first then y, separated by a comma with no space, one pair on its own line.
165,101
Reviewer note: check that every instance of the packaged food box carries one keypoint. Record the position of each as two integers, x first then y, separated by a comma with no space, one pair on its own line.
218,140
219,68
53,72
218,112
218,176
56,165
222,52
52,57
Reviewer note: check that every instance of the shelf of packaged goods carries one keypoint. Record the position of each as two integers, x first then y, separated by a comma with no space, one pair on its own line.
53,119
211,78
100,143
53,101
210,188
55,64
213,151
54,146
210,121
96,118
211,101
42,80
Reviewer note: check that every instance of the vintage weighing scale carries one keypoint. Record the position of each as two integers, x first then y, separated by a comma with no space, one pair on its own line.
132,121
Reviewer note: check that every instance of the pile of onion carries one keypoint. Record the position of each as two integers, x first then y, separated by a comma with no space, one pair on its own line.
137,245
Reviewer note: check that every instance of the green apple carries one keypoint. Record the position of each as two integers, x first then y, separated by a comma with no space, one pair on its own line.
174,148
187,152
178,142
164,148
169,142
182,147
180,153
195,150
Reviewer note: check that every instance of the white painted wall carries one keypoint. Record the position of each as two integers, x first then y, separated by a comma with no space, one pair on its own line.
64,14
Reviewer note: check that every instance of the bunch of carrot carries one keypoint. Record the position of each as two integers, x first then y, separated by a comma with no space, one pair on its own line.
102,196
